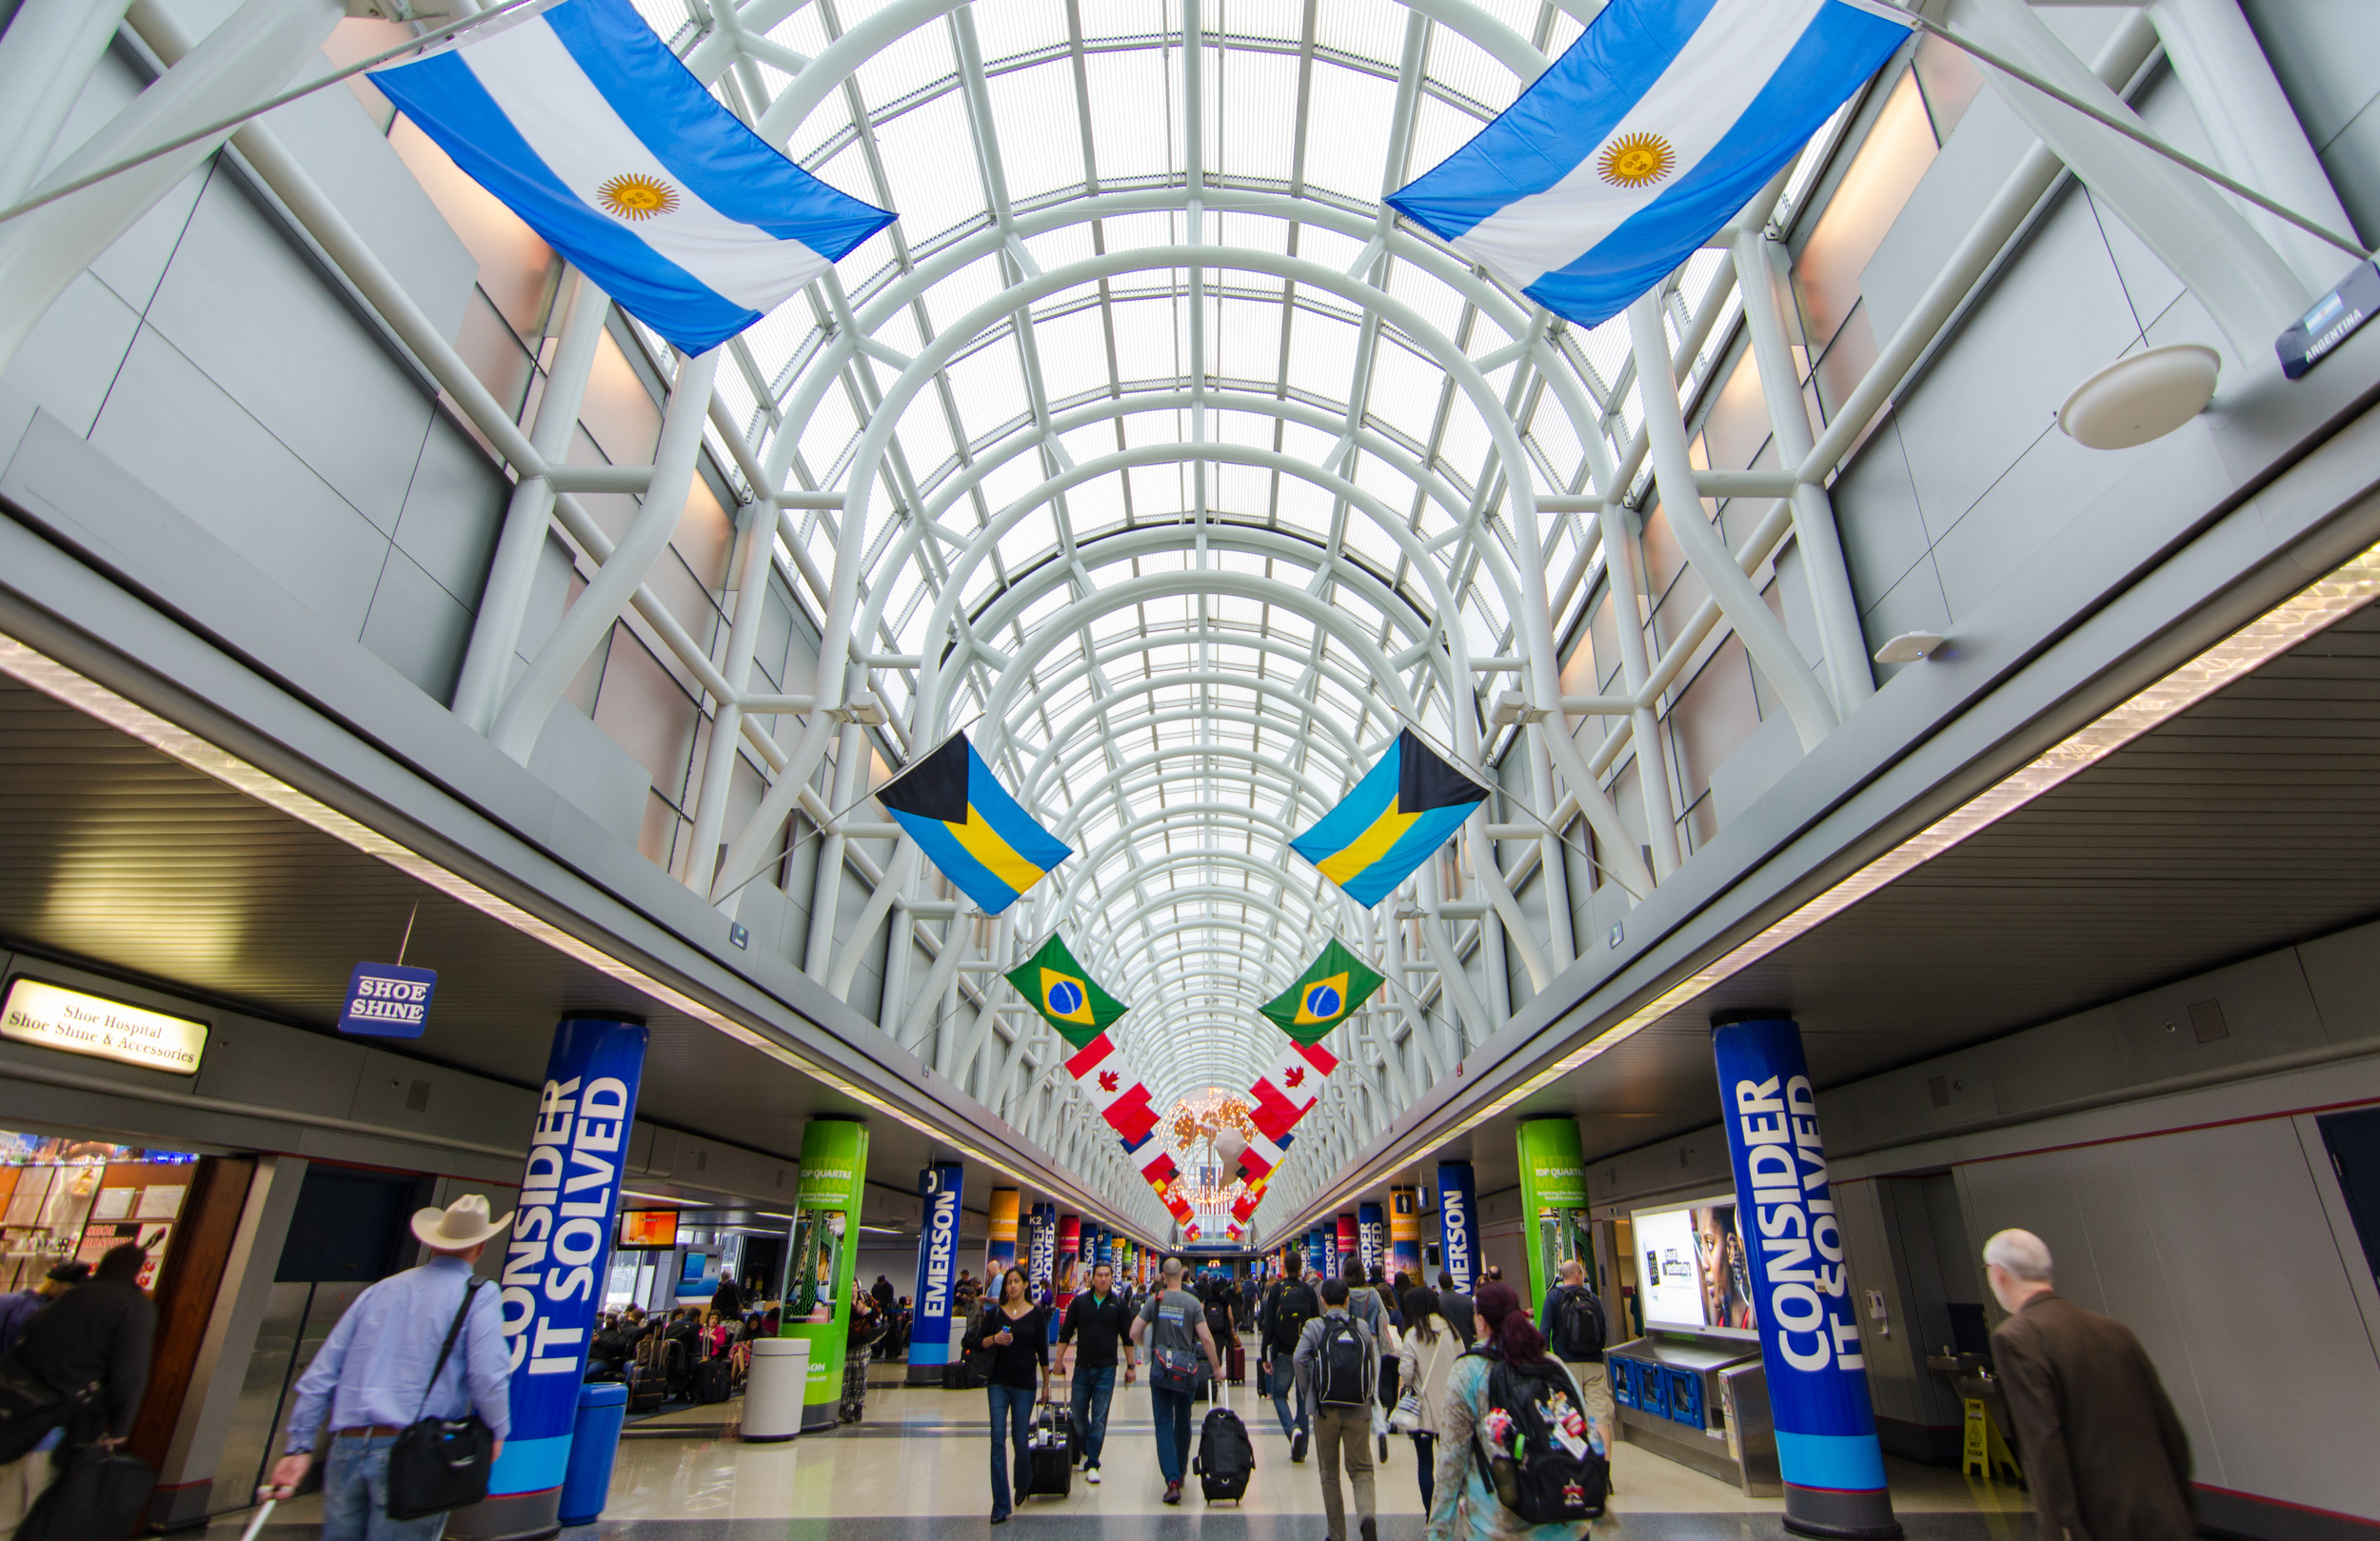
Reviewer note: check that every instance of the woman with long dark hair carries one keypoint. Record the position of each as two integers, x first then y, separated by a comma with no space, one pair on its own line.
1014,1332
1464,1507
1423,1365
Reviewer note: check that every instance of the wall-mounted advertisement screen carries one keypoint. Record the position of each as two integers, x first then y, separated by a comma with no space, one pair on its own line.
1696,1277
648,1228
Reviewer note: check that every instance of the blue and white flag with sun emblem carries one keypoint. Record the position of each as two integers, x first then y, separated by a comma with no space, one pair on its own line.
1645,137
579,119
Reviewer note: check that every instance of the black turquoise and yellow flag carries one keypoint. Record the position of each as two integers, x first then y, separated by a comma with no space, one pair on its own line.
1065,995
1404,808
1333,986
970,827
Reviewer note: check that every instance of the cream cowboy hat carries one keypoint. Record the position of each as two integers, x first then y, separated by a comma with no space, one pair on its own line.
460,1225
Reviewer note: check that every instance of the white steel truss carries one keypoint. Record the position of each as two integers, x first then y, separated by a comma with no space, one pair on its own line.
1151,448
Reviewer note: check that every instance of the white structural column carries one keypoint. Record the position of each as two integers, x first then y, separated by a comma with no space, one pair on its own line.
1624,563
591,618
47,56
2244,285
827,881
1764,635
253,54
1814,532
756,542
2255,132
512,574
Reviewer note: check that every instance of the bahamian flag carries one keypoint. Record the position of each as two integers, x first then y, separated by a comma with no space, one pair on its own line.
1648,134
1404,808
579,119
1331,989
1065,995
969,826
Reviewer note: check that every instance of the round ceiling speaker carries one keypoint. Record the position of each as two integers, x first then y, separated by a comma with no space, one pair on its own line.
1228,1144
2141,397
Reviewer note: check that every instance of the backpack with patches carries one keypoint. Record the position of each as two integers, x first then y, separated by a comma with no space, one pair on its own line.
1532,1447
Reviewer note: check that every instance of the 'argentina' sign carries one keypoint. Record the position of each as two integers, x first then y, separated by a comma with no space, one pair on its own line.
387,1000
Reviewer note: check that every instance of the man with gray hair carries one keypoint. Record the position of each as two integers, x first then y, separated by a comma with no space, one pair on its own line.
2103,1454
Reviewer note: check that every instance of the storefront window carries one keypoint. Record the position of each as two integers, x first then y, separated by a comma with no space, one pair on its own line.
69,1198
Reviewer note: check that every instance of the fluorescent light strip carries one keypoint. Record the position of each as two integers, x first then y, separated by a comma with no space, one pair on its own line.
88,696
2347,589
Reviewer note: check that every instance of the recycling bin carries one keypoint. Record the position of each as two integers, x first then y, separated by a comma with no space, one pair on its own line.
594,1443
773,1391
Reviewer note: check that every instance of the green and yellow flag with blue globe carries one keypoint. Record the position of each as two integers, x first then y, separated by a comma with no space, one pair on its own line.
1065,995
1333,986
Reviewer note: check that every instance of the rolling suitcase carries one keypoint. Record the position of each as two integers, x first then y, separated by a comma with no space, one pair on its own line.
714,1381
1225,1458
645,1393
1064,1416
1236,1365
1053,1471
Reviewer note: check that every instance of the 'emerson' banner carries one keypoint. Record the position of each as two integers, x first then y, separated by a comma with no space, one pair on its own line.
555,1254
1459,1223
940,1188
1826,1442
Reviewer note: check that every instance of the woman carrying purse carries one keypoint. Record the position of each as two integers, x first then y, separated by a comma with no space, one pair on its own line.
1429,1352
1007,1342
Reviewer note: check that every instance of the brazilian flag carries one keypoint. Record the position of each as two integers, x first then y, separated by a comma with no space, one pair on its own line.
1331,989
1065,995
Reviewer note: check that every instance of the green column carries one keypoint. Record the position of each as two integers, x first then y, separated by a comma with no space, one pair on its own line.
826,1253
1553,1203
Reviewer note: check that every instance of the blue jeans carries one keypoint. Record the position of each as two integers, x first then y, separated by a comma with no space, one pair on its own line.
1092,1392
1284,1380
1173,1431
355,1495
1012,1407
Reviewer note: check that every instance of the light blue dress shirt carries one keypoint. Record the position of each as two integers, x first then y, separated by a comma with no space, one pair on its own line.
375,1364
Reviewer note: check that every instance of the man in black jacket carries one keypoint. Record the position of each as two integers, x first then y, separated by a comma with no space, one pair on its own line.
1461,1313
1282,1320
1574,1329
1095,1334
97,1333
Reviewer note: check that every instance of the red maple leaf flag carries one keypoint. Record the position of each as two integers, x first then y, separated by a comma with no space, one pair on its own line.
1282,1095
1113,1089
1109,1080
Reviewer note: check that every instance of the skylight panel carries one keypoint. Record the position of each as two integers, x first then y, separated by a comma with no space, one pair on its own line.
1246,340
904,66
1073,353
1132,101
1259,116
1014,27
1347,146
930,166
1040,135
1372,32
1322,355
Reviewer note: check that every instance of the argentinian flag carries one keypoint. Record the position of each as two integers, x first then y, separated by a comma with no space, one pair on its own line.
1644,138
581,121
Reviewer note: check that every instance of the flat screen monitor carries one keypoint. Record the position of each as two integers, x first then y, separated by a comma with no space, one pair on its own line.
648,1228
1696,1274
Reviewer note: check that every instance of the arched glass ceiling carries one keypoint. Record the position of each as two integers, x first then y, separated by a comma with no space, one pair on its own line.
1123,515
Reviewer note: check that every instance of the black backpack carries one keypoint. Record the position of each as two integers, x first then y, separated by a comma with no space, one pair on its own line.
1577,1325
1534,1470
1343,1363
1295,1307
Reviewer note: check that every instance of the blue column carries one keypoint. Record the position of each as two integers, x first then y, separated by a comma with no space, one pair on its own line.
1316,1258
1372,1237
1458,1225
1826,1443
941,1188
557,1260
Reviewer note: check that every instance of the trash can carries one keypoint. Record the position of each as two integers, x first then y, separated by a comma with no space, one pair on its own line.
772,1394
594,1443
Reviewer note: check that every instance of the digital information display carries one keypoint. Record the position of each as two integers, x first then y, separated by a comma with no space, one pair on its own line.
1691,1259
650,1229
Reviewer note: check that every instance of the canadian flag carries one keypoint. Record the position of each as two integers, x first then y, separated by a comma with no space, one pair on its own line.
1114,1089
1283,1093
1260,1156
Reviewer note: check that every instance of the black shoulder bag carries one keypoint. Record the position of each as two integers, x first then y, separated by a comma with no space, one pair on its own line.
439,1464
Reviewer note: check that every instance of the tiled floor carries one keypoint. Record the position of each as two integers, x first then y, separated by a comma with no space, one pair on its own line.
919,1463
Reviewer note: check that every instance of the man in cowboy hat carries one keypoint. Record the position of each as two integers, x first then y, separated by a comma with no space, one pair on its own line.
372,1376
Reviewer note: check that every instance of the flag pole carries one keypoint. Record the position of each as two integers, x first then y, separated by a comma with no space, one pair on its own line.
435,35
823,826
1478,779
